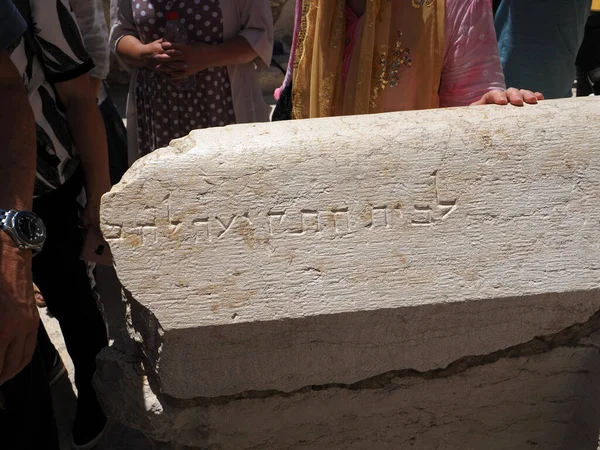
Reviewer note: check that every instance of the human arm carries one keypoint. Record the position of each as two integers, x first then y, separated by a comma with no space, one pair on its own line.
19,318
256,18
124,40
254,42
472,73
131,51
89,136
92,23
67,66
183,59
471,62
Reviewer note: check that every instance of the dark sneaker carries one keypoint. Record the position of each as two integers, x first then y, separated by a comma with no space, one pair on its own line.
90,423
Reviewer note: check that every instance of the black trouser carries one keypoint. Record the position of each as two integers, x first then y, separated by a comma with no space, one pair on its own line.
27,420
63,280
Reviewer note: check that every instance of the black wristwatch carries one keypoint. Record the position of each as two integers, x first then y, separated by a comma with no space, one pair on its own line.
26,229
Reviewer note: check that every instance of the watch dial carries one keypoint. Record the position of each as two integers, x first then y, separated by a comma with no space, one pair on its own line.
30,228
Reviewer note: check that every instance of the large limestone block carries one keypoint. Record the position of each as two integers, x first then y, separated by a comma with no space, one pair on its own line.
411,280
278,256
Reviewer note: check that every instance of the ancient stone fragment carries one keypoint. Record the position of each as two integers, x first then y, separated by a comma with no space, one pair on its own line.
425,279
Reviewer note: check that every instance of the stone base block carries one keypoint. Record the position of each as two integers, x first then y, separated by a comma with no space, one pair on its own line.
547,400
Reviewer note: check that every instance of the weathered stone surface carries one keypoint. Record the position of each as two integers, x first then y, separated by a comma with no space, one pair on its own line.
328,283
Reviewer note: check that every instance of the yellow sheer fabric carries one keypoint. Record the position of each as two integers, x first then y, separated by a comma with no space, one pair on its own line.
364,96
381,59
319,57
317,82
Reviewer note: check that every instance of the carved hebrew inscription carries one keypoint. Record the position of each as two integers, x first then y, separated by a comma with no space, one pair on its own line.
426,214
281,222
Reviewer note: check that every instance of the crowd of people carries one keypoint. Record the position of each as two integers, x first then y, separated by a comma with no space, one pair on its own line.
64,143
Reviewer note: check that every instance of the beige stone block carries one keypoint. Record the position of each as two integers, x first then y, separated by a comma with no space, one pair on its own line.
269,234
309,284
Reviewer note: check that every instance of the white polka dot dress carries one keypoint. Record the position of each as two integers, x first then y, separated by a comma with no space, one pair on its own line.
164,112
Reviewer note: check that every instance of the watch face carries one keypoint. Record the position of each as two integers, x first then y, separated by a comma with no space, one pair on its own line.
30,228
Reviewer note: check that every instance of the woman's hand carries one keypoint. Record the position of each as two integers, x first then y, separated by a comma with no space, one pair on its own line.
183,59
516,97
133,52
149,52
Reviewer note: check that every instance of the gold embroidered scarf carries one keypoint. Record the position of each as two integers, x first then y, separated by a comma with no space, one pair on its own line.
379,60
